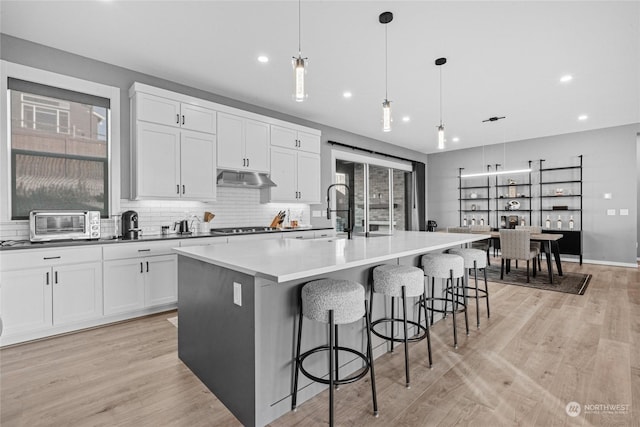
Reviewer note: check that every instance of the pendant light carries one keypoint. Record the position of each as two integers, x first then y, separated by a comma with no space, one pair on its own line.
385,18
299,67
440,62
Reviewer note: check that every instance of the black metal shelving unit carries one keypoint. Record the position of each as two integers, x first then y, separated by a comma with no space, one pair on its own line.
571,242
464,206
525,196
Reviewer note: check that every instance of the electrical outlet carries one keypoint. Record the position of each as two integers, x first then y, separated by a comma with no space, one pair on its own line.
316,214
624,211
611,212
237,293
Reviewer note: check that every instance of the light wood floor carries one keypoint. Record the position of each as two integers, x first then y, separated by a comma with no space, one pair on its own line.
539,351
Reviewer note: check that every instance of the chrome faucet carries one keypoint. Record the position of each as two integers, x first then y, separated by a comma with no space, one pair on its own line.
349,209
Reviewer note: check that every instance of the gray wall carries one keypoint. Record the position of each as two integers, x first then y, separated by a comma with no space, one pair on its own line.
609,167
38,56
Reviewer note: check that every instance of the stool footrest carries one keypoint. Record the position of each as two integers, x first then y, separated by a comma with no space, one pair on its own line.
419,337
446,300
347,380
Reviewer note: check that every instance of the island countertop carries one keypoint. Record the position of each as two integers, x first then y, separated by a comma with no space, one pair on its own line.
285,260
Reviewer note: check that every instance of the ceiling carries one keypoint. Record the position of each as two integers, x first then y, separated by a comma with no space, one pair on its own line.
505,58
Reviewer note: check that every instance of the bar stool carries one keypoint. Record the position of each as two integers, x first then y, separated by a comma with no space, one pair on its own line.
405,282
449,267
475,259
334,302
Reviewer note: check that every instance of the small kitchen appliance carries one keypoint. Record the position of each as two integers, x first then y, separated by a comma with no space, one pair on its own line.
45,226
130,229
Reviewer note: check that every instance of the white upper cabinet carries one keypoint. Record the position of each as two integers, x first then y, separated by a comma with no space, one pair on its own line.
243,144
295,139
173,149
297,175
169,112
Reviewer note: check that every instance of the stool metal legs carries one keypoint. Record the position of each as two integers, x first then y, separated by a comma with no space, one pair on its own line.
333,348
331,382
454,291
423,332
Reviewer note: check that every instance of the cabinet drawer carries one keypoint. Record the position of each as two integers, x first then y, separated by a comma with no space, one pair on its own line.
31,258
203,241
139,249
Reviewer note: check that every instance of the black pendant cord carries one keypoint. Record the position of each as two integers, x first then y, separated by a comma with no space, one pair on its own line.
386,66
440,95
299,30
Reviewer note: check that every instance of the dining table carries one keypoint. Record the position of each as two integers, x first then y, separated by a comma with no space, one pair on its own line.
550,246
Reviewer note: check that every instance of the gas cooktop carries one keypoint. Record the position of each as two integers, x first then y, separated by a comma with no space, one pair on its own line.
243,230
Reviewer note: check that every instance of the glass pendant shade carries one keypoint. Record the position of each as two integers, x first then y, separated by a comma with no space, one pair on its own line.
441,137
386,116
299,70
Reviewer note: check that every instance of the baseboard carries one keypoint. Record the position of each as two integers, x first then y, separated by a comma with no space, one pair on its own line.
611,263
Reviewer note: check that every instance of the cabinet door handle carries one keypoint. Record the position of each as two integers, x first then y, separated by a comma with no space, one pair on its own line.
144,250
183,119
141,268
51,257
299,194
244,162
247,162
147,266
177,188
299,237
47,282
183,188
177,118
55,277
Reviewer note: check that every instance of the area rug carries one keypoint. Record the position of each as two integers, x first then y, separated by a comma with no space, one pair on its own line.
173,321
570,283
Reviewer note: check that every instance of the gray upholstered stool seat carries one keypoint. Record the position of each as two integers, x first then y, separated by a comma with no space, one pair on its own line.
441,266
449,267
344,297
389,280
470,255
401,281
475,259
335,302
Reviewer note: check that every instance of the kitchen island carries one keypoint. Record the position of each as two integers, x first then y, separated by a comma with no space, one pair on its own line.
238,305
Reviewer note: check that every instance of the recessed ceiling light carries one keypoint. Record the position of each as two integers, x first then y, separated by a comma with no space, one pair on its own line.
455,139
406,119
566,78
347,94
583,117
264,59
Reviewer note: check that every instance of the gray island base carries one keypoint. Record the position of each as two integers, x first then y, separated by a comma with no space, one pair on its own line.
244,352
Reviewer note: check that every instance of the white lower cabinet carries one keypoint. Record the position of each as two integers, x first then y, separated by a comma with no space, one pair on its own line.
77,292
25,301
137,282
42,290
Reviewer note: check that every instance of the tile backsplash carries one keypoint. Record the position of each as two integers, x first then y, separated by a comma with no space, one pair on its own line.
233,207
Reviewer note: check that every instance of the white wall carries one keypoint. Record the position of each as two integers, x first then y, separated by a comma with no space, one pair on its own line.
609,159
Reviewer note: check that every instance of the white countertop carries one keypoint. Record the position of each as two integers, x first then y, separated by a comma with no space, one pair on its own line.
290,259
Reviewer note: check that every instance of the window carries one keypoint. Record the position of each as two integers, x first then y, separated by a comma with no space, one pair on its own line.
63,143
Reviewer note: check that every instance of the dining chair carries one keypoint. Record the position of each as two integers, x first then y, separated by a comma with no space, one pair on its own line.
516,245
483,245
534,229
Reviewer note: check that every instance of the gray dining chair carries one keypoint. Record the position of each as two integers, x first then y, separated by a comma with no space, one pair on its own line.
534,229
516,245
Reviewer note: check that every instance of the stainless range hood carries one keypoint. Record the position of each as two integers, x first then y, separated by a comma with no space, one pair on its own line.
230,178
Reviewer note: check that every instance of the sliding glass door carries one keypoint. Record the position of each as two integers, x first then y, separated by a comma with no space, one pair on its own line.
379,195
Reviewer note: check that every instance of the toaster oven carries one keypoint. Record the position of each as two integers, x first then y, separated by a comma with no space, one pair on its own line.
45,226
